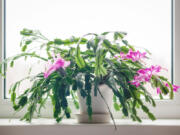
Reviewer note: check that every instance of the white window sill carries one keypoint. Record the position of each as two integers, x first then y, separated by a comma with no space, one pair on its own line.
71,127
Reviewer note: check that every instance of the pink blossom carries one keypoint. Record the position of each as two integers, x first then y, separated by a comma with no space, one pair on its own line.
175,87
166,84
155,69
158,90
58,63
116,57
144,75
136,83
122,55
133,55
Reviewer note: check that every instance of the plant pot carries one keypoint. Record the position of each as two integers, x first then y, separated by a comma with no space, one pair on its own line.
100,112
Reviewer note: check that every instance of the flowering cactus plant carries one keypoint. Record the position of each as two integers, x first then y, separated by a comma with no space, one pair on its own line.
77,64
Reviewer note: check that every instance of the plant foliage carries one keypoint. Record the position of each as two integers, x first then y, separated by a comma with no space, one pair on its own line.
90,67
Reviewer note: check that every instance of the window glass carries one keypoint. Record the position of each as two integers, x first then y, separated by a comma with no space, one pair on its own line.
147,22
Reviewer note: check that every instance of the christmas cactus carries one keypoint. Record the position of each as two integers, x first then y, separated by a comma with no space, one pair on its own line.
82,64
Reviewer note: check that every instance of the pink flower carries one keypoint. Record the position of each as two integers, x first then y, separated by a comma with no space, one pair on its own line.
132,55
175,87
116,57
122,55
144,75
58,63
155,69
158,90
136,83
166,84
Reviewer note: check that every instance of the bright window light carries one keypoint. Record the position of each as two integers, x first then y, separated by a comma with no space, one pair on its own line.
147,22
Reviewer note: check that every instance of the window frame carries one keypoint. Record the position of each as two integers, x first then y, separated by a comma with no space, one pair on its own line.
160,111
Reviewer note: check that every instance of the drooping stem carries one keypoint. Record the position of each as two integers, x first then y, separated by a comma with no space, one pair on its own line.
108,108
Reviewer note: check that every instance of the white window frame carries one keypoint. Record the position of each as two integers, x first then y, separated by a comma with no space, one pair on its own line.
165,109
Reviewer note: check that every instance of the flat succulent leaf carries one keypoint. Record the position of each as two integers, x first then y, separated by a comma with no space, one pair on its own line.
79,60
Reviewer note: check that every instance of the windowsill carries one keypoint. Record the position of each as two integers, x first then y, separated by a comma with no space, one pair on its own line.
124,127
73,122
